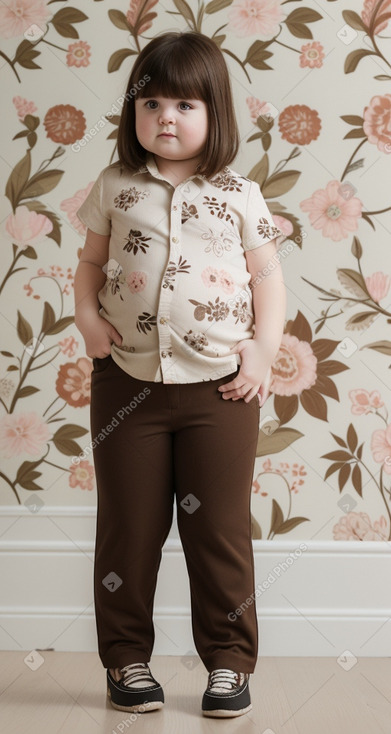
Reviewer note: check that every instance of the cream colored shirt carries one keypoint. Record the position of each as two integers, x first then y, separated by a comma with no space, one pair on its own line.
177,286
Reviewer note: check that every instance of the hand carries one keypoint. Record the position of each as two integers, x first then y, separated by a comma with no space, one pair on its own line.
253,366
98,335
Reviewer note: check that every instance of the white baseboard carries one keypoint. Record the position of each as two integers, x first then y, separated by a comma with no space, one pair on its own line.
313,598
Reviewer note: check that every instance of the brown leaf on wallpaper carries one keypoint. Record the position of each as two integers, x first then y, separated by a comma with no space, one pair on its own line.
17,180
360,321
63,19
354,57
48,317
356,248
314,403
185,10
260,171
383,346
354,20
279,440
42,183
351,437
256,530
280,183
118,18
343,477
357,479
353,282
257,54
24,55
352,119
118,57
216,5
25,332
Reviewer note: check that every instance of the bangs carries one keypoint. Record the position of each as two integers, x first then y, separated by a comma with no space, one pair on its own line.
175,74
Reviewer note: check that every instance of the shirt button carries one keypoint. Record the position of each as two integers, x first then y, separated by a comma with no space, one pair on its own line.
175,239
162,320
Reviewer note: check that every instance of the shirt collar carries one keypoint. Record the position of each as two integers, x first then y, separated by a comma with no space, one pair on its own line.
151,167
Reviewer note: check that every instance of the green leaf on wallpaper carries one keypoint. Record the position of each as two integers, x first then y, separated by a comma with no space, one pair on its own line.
216,5
383,346
25,332
354,57
118,19
18,179
354,20
63,19
276,441
280,183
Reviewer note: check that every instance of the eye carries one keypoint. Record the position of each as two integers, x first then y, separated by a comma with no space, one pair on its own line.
151,101
186,105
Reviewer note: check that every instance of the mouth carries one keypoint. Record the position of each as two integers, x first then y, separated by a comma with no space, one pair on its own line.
166,135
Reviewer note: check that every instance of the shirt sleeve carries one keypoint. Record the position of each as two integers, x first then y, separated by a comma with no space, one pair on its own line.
259,227
91,212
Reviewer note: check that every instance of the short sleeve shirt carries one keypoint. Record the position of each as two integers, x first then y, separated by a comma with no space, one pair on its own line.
177,284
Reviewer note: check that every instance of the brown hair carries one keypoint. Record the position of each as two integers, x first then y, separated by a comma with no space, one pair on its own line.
182,65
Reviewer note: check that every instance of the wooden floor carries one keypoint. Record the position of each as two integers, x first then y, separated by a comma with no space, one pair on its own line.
65,693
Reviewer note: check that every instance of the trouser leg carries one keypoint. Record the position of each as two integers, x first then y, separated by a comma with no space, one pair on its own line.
134,477
214,454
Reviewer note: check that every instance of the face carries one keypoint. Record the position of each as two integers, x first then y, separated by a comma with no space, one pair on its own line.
185,119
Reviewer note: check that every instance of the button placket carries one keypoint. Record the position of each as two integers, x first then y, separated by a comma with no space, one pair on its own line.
166,294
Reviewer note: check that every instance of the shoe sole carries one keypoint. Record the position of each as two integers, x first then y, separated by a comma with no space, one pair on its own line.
136,708
225,713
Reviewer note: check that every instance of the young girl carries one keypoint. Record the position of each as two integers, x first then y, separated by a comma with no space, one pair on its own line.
181,345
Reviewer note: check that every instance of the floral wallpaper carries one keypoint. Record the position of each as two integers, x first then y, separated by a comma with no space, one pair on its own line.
311,84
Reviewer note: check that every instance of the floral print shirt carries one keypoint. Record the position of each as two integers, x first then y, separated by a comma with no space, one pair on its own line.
177,284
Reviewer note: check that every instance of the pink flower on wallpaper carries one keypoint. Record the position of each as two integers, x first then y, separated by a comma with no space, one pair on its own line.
367,13
23,433
331,213
68,346
377,122
226,282
378,285
381,447
365,402
71,205
312,55
136,281
23,107
82,475
358,526
134,11
78,54
27,227
16,16
285,225
256,108
294,368
256,17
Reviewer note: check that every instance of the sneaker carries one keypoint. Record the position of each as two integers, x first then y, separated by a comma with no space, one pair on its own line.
227,694
137,690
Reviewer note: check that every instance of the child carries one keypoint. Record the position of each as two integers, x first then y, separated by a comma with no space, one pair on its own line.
163,301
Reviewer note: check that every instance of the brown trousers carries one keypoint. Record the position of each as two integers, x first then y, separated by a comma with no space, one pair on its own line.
166,440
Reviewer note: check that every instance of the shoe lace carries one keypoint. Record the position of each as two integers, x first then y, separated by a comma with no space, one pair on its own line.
136,674
223,679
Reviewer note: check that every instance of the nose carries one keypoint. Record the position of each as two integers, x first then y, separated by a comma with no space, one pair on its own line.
167,116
